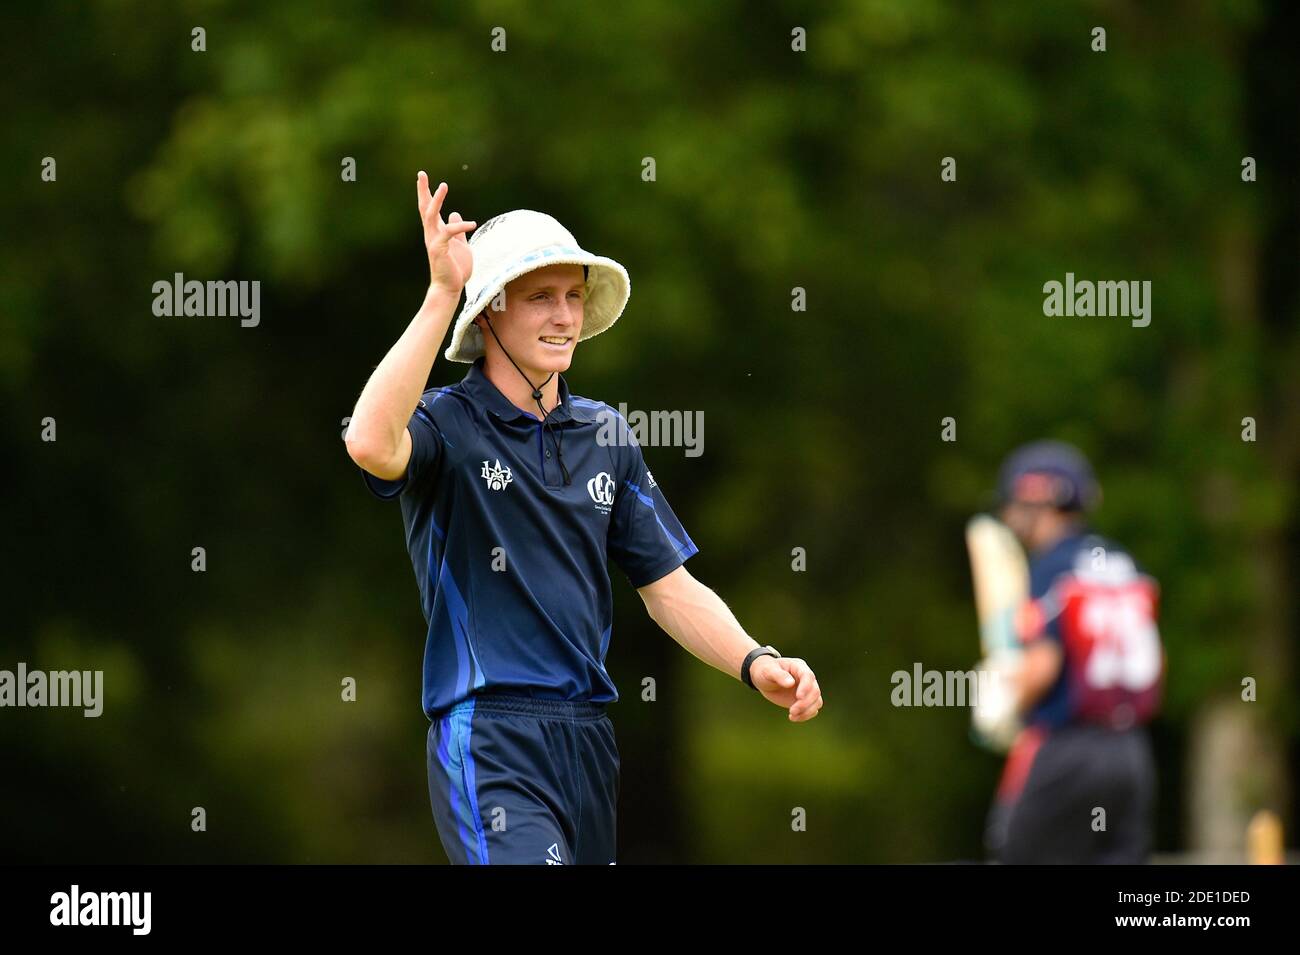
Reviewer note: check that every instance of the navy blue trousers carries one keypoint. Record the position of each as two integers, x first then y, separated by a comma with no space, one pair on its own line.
1078,770
516,780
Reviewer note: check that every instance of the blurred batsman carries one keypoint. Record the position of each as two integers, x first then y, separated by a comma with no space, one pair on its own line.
1079,780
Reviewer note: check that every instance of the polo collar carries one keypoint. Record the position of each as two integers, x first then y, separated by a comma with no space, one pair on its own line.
481,390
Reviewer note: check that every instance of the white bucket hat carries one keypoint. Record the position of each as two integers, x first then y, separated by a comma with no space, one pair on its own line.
507,246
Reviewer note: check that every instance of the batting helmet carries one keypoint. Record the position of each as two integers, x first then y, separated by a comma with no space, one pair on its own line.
1049,472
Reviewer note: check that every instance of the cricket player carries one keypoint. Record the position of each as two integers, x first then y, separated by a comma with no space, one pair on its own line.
1079,781
514,493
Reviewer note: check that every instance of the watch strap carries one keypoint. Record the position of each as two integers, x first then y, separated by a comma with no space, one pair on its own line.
750,658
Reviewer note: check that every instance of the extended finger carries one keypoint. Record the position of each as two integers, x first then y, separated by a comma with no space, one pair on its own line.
433,212
422,192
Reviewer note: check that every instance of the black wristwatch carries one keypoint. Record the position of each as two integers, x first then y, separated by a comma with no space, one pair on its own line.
750,658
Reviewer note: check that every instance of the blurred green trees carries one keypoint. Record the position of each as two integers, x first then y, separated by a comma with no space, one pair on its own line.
773,170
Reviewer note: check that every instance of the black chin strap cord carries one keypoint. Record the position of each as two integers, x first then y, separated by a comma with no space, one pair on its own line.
557,435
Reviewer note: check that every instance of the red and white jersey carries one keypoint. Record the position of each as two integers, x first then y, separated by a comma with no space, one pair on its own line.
1089,596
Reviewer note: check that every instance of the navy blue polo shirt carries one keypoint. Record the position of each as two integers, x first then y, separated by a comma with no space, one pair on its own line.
511,562
1045,569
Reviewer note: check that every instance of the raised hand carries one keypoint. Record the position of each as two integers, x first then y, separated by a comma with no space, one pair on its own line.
450,260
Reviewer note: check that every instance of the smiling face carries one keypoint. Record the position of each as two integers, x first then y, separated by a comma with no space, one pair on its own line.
542,320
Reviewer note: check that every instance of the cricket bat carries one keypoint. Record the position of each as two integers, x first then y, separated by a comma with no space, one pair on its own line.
1000,574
